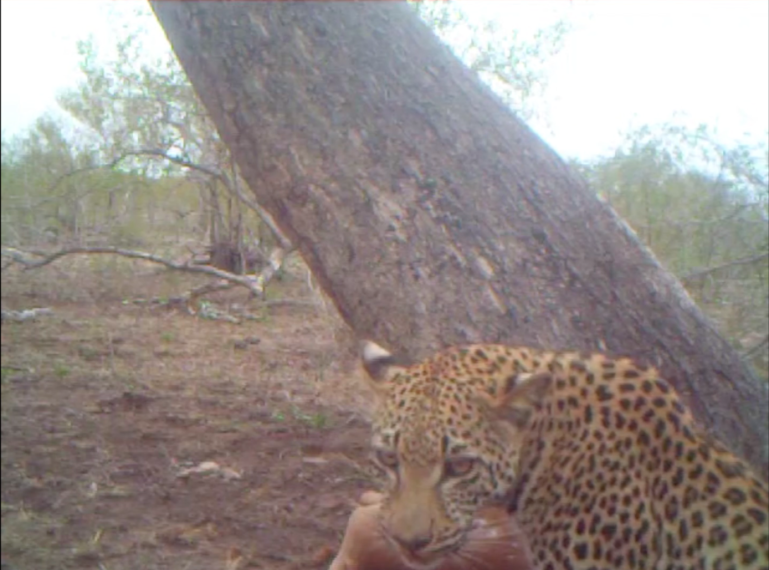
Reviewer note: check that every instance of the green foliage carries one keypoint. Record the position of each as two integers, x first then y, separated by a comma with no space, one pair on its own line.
121,175
51,193
167,336
512,64
130,172
703,209
128,103
61,370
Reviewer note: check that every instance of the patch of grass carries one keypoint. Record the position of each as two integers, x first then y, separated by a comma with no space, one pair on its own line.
167,336
227,426
5,373
116,492
61,370
325,362
31,539
278,416
317,420
88,353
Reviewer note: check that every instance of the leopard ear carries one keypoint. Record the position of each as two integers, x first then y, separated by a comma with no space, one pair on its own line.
517,397
380,365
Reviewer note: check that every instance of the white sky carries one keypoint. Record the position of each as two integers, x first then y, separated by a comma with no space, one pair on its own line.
627,63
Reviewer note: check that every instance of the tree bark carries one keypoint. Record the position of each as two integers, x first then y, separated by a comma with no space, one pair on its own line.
428,212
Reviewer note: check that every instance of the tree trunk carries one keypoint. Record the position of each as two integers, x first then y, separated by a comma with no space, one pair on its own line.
428,212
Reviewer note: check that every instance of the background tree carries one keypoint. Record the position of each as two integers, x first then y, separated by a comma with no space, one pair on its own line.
512,64
703,209
141,167
428,212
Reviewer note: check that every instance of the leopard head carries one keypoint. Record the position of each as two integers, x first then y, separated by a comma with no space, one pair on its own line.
448,440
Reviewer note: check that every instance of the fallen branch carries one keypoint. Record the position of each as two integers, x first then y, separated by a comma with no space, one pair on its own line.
16,368
254,283
300,303
189,299
25,315
276,262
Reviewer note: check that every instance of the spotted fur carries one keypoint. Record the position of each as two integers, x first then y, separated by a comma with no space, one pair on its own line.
598,458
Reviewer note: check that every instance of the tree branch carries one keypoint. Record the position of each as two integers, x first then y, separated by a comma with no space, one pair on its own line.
254,283
266,218
158,153
699,273
750,352
232,186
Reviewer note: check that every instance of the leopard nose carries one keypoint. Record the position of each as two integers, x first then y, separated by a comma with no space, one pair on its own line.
414,543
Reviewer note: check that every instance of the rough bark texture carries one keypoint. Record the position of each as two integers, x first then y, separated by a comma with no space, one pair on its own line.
428,212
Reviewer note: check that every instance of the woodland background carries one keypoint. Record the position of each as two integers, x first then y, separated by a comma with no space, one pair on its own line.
187,398
145,170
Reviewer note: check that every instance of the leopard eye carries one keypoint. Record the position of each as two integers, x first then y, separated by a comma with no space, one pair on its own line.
458,466
387,458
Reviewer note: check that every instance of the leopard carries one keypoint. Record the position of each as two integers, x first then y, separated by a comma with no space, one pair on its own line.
596,457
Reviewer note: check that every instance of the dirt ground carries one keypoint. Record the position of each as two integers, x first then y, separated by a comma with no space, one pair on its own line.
111,409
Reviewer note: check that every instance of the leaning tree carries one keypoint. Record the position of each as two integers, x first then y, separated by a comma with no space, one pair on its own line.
428,212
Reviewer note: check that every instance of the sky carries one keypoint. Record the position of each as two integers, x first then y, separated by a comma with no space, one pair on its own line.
625,63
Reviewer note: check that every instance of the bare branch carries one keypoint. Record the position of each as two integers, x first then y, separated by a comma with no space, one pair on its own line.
16,255
276,262
158,153
699,273
750,352
263,215
714,221
254,283
232,186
